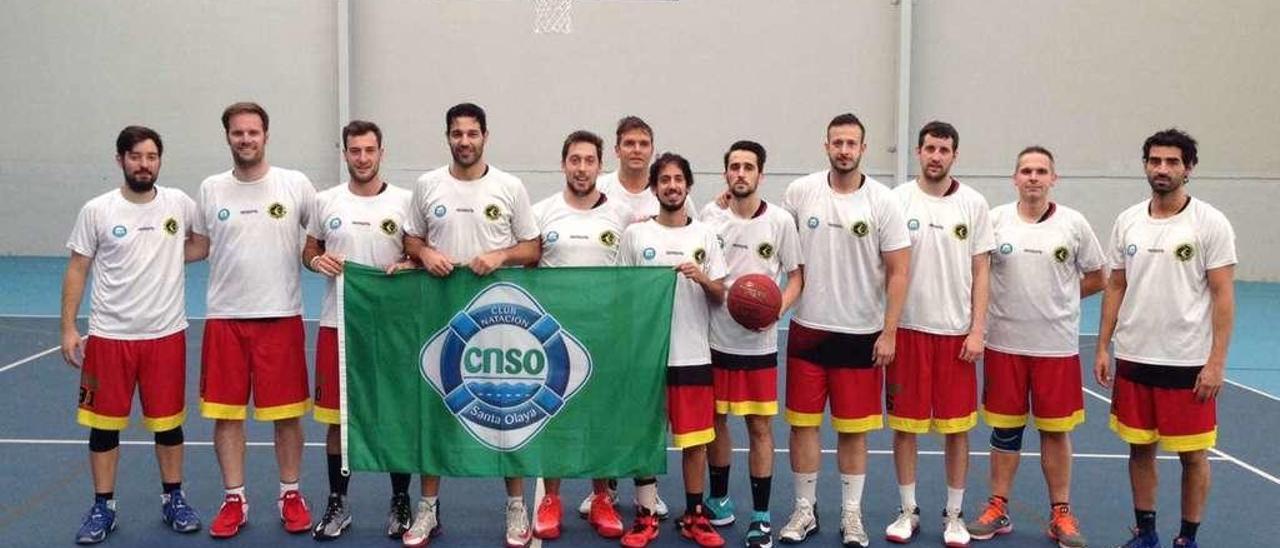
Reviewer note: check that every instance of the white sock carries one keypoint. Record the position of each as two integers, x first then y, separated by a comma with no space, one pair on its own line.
235,491
514,500
955,500
807,486
908,494
286,487
647,496
431,501
851,489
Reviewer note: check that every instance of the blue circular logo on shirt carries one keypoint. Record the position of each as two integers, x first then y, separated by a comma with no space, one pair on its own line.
224,214
439,211
649,253
119,231
334,223
913,224
552,237
1006,249
813,222
1131,250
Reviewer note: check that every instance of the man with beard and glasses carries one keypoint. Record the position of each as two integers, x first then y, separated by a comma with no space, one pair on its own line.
580,226
630,183
673,239
135,239
933,383
255,217
855,250
470,213
1168,307
758,238
363,222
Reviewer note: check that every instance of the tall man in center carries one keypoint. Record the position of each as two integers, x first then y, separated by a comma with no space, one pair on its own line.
473,214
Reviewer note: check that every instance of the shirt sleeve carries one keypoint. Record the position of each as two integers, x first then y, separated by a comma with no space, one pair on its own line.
84,237
892,225
626,249
1219,242
1115,245
789,256
1089,253
315,223
716,267
416,222
307,199
200,223
523,226
983,240
790,200
190,213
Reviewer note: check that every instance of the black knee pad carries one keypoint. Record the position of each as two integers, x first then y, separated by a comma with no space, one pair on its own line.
1007,440
170,437
101,441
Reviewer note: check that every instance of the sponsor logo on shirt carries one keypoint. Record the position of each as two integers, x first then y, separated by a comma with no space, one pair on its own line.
765,250
609,238
224,214
170,226
913,224
1184,252
1006,249
813,222
334,223
551,237
700,256
860,229
649,253
276,210
1131,250
119,231
389,227
1061,254
960,231
439,211
492,212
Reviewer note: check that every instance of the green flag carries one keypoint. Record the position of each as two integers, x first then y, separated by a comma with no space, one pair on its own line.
525,372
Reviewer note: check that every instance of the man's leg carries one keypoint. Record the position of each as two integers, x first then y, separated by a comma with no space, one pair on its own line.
1055,461
228,445
719,456
1196,480
1143,480
289,439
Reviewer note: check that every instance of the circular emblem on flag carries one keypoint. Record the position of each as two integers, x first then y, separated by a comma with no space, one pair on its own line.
1131,250
913,224
1184,252
609,238
334,223
439,211
649,253
224,214
700,256
860,229
552,237
492,212
812,222
504,366
170,226
765,250
1061,254
389,227
119,231
276,210
1006,249
960,231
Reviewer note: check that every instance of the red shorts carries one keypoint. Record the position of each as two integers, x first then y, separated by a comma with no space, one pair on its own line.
328,397
266,353
928,385
745,385
1143,414
691,405
819,362
1054,385
112,367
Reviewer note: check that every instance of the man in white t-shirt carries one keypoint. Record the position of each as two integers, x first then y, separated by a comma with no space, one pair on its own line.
469,213
932,383
856,253
361,222
630,183
135,239
1046,259
255,218
1169,304
758,238
672,238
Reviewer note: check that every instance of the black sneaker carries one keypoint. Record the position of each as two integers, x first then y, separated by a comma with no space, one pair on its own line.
337,517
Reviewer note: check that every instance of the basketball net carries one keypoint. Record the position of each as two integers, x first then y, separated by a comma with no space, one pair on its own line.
552,16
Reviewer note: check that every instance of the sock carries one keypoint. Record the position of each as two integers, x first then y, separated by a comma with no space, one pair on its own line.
908,495
807,486
955,500
431,501
400,483
285,487
719,482
692,501
647,493
238,491
104,497
1146,520
337,481
167,488
1188,530
515,500
760,489
851,490
1053,507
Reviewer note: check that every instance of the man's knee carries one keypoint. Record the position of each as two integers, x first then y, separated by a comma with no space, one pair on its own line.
102,441
1007,440
171,437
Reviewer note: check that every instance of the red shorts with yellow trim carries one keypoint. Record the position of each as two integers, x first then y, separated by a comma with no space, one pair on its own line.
112,367
262,354
691,405
1152,403
745,385
1053,383
328,397
840,364
929,386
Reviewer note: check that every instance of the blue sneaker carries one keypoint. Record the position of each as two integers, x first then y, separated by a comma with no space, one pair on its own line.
1139,540
179,515
1184,542
719,511
98,523
760,532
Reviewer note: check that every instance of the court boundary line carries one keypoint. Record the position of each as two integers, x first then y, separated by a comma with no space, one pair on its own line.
1212,451
1248,388
30,358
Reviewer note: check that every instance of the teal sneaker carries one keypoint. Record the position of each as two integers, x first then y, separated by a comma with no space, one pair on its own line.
760,532
719,511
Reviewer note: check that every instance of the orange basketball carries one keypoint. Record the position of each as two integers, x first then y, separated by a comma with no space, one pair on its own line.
755,301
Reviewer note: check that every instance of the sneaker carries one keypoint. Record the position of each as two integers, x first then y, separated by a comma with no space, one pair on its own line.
604,517
1139,540
954,534
294,514
852,535
179,515
546,521
399,516
904,526
517,525
336,519
1184,542
1064,528
584,507
759,532
719,511
97,524
660,509
426,525
695,526
993,521
802,524
232,515
644,530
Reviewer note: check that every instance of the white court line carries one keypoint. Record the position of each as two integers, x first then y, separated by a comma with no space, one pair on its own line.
31,358
1257,471
1254,390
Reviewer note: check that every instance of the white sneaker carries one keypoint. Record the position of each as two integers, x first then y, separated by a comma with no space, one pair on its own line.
802,523
518,533
954,534
851,532
660,509
426,525
904,526
584,508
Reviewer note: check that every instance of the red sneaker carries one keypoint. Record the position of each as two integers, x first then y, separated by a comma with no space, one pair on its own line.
233,514
294,513
695,526
644,530
604,517
546,521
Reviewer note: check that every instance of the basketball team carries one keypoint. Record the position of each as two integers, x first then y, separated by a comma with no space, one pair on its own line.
894,295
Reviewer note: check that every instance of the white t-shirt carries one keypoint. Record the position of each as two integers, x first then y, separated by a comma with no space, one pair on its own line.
842,237
643,204
363,229
767,244
576,237
651,244
1165,318
465,219
256,230
946,232
1035,281
137,252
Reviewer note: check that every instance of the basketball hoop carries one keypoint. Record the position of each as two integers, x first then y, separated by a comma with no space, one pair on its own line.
552,16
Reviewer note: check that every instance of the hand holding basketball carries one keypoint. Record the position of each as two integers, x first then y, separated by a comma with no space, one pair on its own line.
755,301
